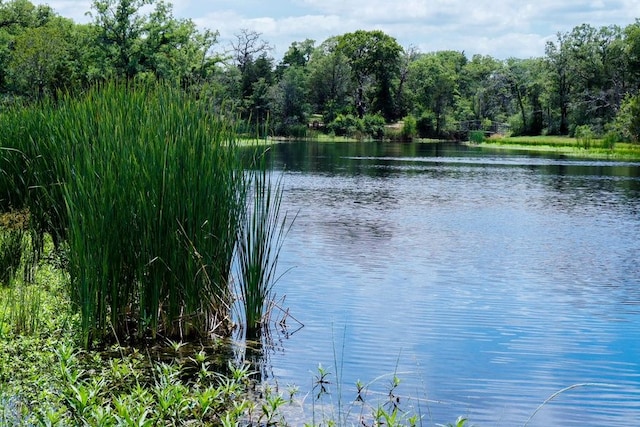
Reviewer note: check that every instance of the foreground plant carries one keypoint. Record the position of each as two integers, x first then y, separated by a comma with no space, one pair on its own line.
260,239
146,186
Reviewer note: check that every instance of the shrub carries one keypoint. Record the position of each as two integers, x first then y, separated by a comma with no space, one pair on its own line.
409,128
373,125
584,136
476,136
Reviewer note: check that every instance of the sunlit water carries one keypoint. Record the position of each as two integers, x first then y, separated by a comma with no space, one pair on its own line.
486,281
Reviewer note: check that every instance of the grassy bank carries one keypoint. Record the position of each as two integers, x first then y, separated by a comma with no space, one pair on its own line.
572,147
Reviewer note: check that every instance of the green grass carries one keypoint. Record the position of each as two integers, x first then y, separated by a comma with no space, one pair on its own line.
260,239
597,148
146,187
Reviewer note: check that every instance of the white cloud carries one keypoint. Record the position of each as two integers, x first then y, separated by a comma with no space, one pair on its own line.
501,28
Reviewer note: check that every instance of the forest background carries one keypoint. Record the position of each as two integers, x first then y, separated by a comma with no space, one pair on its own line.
354,84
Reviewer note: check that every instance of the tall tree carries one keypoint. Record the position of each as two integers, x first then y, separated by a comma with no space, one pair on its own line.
16,17
374,58
41,60
434,79
478,89
329,80
120,27
558,57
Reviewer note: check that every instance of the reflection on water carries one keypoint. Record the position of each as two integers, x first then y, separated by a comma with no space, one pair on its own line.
487,281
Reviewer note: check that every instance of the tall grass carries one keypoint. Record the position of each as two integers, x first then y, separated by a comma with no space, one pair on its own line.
161,189
260,240
147,187
12,247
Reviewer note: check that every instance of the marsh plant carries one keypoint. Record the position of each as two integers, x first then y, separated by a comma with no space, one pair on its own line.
146,188
260,239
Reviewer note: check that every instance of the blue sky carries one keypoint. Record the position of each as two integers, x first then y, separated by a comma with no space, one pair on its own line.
501,28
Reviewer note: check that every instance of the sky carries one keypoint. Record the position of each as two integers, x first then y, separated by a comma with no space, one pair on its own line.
500,28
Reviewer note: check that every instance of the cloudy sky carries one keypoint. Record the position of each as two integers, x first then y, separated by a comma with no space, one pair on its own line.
501,28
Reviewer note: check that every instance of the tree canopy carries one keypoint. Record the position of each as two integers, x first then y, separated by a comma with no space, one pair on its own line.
589,76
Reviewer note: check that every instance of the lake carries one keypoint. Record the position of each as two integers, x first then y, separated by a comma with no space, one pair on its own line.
486,281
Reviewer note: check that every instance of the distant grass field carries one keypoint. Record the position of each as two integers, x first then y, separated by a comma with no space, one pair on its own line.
567,146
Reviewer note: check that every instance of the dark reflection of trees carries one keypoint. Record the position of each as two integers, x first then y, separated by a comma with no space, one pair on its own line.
593,184
346,158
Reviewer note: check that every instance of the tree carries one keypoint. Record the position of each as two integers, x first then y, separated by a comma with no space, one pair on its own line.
120,28
329,83
16,17
298,55
559,62
256,73
434,80
247,46
173,49
632,52
590,75
41,60
482,97
374,58
288,100
155,45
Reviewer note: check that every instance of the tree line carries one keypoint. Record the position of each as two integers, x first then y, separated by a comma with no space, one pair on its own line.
350,84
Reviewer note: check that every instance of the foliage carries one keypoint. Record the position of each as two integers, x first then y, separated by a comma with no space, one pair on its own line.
154,254
476,136
627,123
260,239
374,59
584,136
587,76
409,128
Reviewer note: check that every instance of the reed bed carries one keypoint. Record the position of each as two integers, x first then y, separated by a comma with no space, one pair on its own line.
146,187
260,240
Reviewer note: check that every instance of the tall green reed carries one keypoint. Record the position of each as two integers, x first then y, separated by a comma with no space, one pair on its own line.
146,186
12,247
154,194
260,240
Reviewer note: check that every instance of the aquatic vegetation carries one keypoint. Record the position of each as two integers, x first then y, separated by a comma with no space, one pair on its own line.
146,187
260,239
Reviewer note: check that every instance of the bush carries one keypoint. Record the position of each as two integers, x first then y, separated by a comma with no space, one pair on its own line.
426,125
373,125
346,125
409,128
627,122
476,136
584,136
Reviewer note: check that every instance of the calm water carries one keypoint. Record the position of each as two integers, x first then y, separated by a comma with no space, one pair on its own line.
487,281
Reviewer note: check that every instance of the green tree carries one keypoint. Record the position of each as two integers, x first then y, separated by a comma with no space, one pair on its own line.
256,74
558,57
174,49
480,89
298,55
120,28
627,122
329,82
632,52
41,60
434,80
374,58
590,75
288,101
16,17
